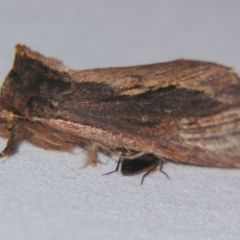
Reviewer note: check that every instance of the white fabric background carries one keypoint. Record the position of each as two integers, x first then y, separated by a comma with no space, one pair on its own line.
45,194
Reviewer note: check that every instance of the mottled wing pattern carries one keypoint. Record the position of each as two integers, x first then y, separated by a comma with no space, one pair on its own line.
187,111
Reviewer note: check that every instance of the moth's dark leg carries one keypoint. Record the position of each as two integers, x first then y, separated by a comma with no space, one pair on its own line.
118,164
15,138
149,171
160,169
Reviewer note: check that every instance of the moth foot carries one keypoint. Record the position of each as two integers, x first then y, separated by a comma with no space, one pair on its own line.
92,156
2,155
92,160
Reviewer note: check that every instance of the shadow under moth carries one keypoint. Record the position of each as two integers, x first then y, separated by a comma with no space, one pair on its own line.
184,111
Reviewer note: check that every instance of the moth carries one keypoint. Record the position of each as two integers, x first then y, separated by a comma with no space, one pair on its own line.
184,111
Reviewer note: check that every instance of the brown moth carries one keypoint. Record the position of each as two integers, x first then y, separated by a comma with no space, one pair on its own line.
185,111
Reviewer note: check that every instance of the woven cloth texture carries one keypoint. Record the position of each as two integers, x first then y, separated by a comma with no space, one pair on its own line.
47,194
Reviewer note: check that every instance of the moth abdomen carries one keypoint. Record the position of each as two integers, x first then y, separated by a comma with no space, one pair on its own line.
140,164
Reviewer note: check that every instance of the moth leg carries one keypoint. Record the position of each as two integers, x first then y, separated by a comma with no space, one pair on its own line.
149,171
116,170
92,155
160,169
16,136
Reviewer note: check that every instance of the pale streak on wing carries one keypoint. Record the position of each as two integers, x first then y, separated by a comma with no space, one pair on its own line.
215,133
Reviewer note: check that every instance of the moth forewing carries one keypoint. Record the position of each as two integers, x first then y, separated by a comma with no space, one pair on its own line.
186,111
